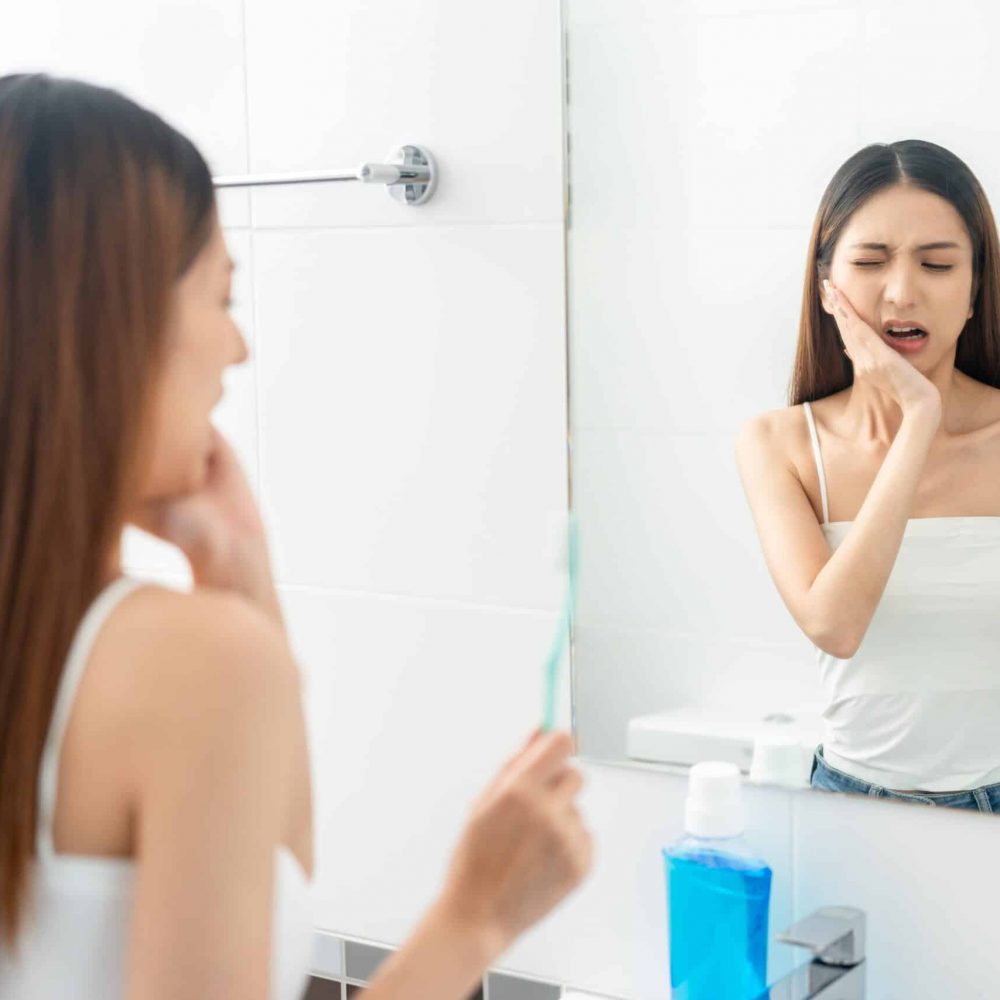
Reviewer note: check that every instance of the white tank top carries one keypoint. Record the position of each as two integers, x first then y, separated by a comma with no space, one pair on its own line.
74,945
918,705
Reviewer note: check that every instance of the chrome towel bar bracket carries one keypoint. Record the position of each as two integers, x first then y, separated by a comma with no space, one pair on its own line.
411,176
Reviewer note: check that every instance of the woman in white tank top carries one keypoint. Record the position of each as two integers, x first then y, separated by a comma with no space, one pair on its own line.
155,800
882,532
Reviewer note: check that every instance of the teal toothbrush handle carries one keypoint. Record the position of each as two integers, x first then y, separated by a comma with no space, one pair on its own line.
563,626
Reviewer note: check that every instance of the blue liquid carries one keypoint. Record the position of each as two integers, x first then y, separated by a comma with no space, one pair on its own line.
718,913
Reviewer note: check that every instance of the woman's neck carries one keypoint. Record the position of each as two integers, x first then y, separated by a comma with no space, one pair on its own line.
112,563
871,415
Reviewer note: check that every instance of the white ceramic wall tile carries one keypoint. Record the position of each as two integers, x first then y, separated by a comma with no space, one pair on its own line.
184,60
966,73
412,393
723,121
332,85
956,111
624,673
926,878
235,416
234,207
773,114
691,332
627,111
669,539
745,7
411,708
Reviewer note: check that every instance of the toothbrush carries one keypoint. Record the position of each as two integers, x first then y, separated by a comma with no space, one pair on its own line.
568,555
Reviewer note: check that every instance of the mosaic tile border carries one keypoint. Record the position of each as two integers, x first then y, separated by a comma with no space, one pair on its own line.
342,967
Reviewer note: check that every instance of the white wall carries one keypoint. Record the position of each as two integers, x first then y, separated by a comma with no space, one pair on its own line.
404,420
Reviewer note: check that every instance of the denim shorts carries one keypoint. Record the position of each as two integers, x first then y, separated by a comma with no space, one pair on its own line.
829,779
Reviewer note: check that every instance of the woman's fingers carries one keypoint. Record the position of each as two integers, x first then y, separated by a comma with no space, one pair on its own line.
843,313
861,342
546,756
566,786
875,361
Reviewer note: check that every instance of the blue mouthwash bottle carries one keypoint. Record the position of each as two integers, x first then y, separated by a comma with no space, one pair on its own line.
718,894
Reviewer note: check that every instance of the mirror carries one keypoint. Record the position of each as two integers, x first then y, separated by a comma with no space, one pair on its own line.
717,611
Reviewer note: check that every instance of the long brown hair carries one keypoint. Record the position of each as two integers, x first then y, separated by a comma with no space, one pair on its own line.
821,367
102,207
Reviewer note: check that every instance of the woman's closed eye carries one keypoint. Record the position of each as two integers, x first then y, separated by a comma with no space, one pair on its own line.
927,264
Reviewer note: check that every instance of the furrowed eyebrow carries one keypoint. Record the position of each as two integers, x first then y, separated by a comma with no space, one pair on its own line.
884,247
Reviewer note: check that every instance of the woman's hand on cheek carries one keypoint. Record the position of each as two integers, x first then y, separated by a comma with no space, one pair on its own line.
219,530
875,361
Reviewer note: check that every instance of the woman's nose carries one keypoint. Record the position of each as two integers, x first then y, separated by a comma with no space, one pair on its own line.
240,349
900,287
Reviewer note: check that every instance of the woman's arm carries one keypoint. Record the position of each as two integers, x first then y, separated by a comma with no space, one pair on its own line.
214,708
832,597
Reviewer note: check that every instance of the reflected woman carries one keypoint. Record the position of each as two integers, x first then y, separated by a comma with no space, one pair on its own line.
875,494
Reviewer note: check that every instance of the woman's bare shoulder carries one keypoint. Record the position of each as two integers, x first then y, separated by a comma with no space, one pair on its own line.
165,653
779,432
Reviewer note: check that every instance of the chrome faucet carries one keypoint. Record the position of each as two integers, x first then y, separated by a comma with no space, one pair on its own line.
836,937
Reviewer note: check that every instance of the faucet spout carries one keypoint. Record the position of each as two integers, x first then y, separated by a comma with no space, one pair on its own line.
836,937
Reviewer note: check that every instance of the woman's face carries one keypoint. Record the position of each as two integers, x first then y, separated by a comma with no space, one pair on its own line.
201,342
904,258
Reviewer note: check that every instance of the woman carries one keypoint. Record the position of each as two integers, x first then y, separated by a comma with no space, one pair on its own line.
875,494
155,801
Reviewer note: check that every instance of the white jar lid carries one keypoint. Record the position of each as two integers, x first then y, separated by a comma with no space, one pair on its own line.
714,806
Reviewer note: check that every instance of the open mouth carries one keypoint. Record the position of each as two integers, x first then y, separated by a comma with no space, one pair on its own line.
904,331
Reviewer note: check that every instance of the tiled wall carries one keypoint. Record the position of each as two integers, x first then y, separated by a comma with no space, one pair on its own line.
348,966
403,419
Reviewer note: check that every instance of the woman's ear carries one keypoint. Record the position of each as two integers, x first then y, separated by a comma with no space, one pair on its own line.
824,298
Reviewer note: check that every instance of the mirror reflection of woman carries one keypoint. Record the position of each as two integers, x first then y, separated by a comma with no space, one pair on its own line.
876,493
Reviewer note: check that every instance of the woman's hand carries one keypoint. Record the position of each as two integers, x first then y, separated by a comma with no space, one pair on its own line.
525,846
219,530
876,362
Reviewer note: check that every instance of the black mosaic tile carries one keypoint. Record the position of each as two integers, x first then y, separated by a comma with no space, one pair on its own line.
322,989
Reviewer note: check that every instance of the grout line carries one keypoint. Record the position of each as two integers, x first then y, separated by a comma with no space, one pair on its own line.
343,969
246,97
437,603
794,832
392,226
487,224
252,264
565,273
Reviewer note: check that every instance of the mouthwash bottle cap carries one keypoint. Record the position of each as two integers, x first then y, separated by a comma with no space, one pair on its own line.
714,806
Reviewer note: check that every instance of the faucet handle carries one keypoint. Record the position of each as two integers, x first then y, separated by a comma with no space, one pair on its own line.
834,934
